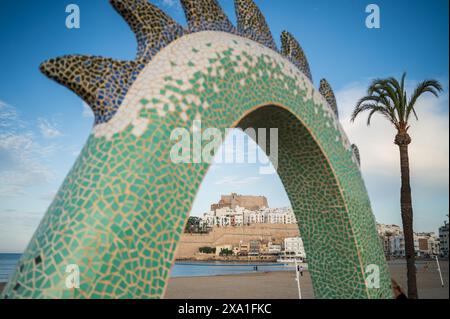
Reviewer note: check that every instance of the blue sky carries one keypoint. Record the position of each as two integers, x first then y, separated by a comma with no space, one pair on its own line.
43,125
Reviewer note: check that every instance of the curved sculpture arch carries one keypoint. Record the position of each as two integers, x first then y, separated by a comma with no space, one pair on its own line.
120,213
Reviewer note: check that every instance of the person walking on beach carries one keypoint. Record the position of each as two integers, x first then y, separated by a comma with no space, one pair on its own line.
300,269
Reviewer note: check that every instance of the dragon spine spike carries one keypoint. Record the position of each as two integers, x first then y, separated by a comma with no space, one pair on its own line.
204,15
252,24
101,82
153,28
327,92
293,51
355,150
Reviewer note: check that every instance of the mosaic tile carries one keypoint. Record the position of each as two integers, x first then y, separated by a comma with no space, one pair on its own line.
153,28
327,92
356,153
101,82
252,24
293,51
204,15
120,212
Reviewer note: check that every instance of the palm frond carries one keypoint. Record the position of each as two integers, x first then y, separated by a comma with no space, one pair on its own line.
392,87
388,97
428,86
377,109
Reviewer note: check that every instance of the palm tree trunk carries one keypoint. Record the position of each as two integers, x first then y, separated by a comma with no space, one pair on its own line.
407,218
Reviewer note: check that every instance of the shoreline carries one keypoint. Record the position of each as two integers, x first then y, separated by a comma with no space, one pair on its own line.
227,262
255,273
242,260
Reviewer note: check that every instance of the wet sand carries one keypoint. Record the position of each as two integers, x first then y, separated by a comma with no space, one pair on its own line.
282,285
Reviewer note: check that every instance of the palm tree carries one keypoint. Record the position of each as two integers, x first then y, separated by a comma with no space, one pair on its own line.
389,98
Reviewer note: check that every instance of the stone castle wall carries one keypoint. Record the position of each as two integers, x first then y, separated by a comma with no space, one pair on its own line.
190,243
248,202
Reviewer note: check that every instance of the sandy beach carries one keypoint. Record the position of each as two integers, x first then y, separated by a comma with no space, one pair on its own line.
282,285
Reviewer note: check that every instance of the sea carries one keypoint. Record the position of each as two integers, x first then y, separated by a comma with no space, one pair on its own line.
8,263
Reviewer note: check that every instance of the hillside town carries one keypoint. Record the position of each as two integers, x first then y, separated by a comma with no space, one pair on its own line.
240,216
426,244
285,250
240,221
243,220
237,210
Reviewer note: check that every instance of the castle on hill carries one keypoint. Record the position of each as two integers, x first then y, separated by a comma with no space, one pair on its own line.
252,203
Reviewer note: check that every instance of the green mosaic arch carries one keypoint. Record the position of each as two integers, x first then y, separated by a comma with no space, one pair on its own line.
120,213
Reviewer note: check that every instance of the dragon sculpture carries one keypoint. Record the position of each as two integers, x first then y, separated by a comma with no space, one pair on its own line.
120,212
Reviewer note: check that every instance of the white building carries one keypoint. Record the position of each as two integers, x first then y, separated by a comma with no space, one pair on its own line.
391,236
208,220
279,216
434,246
293,246
274,249
428,244
398,246
239,216
387,233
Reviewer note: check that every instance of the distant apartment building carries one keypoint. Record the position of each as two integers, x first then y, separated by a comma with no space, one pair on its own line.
398,246
386,232
293,246
240,216
434,246
279,216
244,248
443,240
254,248
253,217
428,244
393,241
274,249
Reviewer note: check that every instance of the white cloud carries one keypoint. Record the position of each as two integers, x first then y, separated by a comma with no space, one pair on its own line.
7,114
9,117
49,129
22,158
21,164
